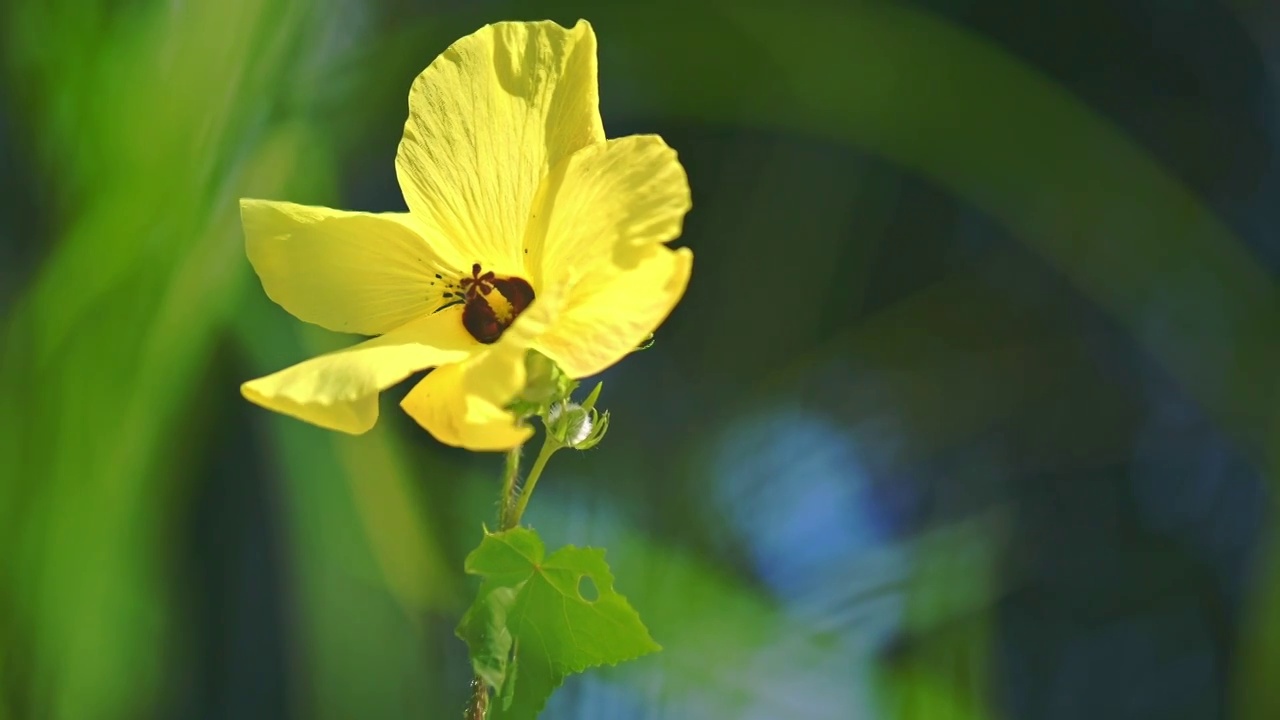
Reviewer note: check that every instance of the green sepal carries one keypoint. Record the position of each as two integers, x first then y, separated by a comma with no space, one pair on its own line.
545,385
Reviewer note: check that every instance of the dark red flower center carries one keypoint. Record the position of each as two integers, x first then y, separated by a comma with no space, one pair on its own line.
492,303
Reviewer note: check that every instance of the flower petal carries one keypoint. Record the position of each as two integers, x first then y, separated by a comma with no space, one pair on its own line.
464,404
345,271
606,200
599,226
339,391
487,120
613,311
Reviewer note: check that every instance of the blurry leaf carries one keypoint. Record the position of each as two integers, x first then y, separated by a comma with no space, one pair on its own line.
957,359
373,560
956,570
923,689
100,444
941,666
149,120
566,616
399,530
1254,688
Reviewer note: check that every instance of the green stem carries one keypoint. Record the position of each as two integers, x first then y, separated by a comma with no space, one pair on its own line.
549,447
508,498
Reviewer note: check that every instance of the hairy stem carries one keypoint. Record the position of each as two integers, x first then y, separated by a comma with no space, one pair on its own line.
549,447
478,705
507,501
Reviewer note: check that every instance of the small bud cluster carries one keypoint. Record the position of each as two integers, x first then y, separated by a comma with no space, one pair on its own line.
547,394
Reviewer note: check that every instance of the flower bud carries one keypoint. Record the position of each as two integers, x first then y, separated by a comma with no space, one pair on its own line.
573,425
569,423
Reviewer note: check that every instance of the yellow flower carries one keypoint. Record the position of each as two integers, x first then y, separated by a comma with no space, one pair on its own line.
527,229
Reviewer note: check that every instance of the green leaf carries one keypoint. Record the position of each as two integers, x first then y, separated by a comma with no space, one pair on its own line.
562,615
484,629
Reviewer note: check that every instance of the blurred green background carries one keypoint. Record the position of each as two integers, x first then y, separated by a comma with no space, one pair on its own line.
971,410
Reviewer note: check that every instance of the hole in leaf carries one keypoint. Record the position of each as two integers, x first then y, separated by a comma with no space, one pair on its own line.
587,589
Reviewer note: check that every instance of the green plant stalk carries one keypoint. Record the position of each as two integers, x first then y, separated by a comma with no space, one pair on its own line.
549,447
506,500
